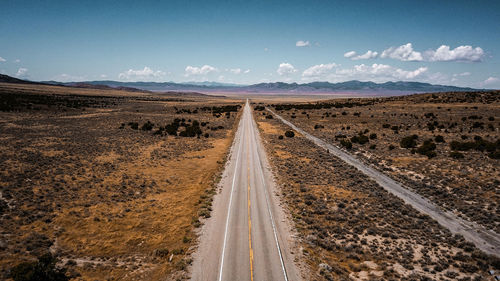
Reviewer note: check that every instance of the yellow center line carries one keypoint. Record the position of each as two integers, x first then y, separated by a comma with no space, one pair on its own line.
249,219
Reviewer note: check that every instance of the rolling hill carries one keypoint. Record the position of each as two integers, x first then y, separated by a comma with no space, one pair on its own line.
354,86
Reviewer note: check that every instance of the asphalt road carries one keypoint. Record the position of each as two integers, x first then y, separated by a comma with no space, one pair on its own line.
486,240
247,237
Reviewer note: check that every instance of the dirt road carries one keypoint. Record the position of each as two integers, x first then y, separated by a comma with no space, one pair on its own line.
247,237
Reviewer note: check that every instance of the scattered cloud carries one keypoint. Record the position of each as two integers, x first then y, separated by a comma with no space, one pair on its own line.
17,61
235,70
455,77
460,53
196,71
403,53
141,74
266,49
443,53
238,71
69,78
318,70
2,59
436,78
22,73
221,78
379,72
490,81
375,72
286,69
350,54
301,43
103,76
368,55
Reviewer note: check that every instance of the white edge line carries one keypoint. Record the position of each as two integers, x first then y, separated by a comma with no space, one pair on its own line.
268,206
229,207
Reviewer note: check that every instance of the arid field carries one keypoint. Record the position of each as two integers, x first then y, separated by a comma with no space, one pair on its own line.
349,226
113,183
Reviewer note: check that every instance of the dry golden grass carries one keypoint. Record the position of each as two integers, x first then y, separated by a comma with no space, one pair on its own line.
112,200
267,128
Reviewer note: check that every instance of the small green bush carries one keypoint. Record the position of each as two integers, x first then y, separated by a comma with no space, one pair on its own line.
456,155
409,141
478,144
289,134
494,154
345,143
148,126
439,138
43,269
476,125
361,139
427,149
192,130
134,125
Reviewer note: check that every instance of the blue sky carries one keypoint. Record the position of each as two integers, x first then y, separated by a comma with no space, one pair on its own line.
442,42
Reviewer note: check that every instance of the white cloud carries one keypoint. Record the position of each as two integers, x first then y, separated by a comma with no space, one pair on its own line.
301,43
17,61
22,73
378,71
104,76
238,71
490,81
318,70
403,53
460,53
69,78
462,74
141,74
406,53
368,55
436,78
350,54
221,78
194,70
286,69
2,59
455,77
374,72
235,70
266,49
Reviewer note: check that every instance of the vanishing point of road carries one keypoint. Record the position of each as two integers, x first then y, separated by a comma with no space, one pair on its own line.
247,237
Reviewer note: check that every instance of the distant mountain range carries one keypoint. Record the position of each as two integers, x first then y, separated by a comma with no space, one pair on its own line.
156,86
389,88
8,79
352,87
